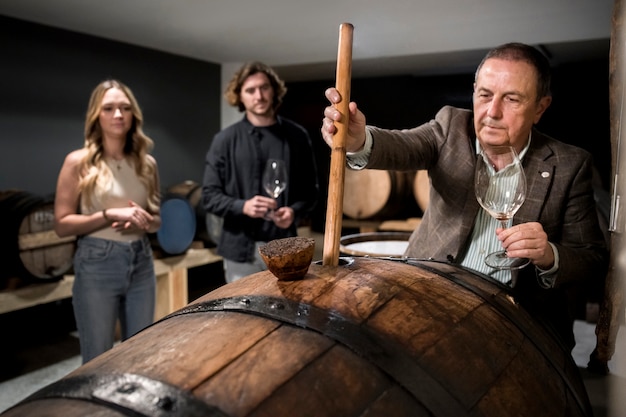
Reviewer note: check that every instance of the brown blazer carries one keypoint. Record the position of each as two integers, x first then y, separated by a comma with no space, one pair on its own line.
560,197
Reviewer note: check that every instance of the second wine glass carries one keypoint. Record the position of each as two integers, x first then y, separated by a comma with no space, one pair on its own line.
274,180
500,187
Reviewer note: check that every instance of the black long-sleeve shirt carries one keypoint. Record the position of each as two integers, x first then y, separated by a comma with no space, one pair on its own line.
233,172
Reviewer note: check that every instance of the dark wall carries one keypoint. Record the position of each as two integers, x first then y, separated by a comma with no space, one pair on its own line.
579,113
46,77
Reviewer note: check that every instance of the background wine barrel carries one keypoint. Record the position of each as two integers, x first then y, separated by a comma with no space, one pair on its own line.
421,189
208,226
178,225
369,337
379,194
31,250
375,244
184,221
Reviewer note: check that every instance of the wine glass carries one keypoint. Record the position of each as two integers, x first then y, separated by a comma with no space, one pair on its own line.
274,180
500,187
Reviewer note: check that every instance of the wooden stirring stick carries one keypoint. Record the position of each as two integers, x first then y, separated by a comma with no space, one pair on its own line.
334,209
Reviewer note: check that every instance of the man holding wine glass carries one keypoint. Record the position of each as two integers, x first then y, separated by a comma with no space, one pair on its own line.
556,228
260,173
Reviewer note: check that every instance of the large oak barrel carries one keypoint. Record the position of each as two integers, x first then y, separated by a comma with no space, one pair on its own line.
368,338
378,194
31,250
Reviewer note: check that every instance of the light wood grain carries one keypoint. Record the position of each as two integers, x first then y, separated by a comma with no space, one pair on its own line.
334,208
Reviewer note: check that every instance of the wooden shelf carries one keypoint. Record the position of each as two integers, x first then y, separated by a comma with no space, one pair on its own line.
171,291
35,294
172,273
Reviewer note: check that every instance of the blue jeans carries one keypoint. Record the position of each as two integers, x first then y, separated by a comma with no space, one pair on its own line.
112,280
237,270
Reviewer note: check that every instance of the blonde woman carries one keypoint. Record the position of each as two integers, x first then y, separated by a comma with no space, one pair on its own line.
108,196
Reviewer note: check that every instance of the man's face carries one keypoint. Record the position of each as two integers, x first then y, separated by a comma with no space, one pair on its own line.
505,103
257,95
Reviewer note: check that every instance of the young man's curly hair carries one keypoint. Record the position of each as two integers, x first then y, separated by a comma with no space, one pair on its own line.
233,90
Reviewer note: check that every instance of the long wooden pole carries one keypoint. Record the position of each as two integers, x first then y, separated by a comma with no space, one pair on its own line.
334,208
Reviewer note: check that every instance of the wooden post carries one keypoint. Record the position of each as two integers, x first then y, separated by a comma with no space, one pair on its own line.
334,207
613,300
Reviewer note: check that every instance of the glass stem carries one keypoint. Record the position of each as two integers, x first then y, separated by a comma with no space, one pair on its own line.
504,224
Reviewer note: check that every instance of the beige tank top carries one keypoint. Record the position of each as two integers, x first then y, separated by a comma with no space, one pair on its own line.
124,187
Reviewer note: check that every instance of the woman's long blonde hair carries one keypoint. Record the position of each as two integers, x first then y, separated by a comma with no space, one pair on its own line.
93,168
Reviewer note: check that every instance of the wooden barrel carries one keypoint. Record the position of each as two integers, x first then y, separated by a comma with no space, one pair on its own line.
178,225
375,244
372,337
378,194
31,249
421,189
208,226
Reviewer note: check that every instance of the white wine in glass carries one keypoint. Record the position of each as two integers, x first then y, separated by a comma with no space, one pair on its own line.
274,180
500,187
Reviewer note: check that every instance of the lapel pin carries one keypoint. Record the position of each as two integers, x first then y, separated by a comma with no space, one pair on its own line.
545,174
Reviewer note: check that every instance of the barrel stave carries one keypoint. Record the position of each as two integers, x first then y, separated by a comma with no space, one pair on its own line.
184,350
243,384
512,389
338,383
378,194
400,401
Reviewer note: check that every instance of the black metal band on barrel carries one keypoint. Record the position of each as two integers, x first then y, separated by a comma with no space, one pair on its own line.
389,357
505,308
129,394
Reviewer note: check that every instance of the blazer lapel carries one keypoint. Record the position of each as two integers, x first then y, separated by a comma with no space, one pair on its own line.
470,207
540,171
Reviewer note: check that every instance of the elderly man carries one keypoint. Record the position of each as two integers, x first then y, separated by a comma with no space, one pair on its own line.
556,227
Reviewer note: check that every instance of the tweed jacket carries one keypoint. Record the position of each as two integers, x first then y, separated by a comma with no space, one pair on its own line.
559,196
